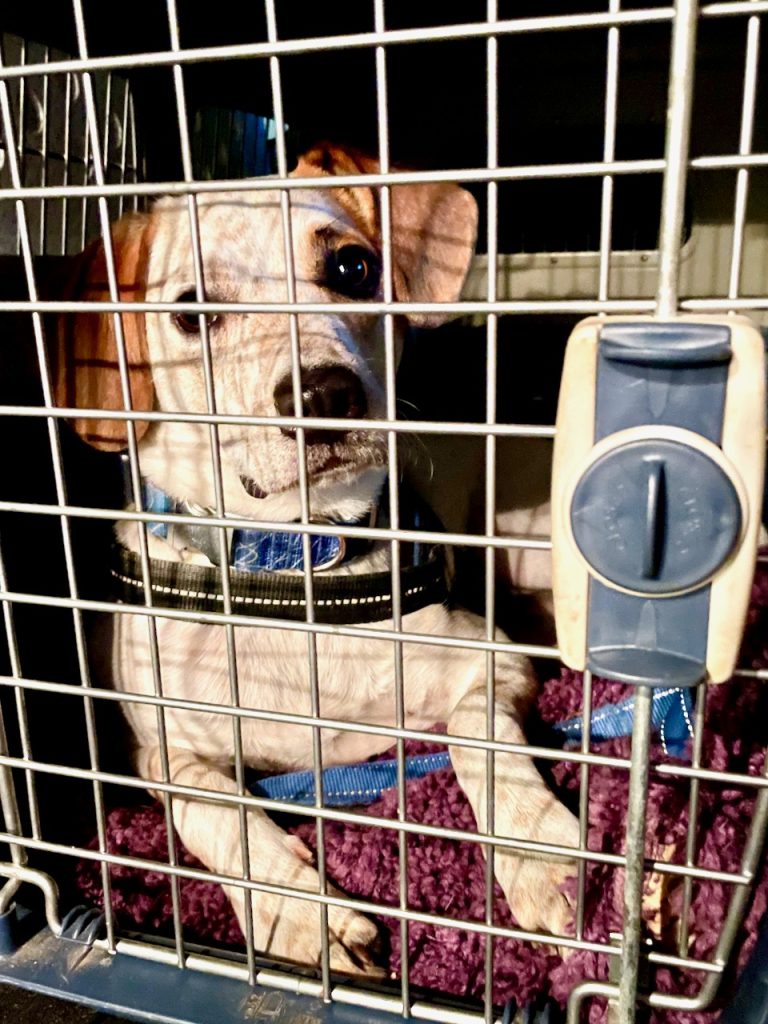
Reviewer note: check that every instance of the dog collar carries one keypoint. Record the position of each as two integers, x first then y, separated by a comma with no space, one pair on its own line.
250,550
341,599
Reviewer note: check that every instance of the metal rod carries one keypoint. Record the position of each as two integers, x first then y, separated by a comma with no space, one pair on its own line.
327,814
679,104
124,144
334,814
609,152
635,854
397,615
215,618
14,657
464,308
750,863
364,40
224,554
491,371
18,873
586,736
329,423
362,906
693,814
44,160
86,174
745,145
135,149
303,480
519,172
210,397
313,529
9,134
391,37
10,808
544,753
393,482
606,235
65,163
99,171
392,732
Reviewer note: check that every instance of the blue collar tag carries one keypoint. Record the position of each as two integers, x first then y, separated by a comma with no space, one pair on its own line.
250,550
254,550
264,551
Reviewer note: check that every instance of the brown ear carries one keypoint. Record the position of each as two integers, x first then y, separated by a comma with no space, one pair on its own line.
434,228
87,374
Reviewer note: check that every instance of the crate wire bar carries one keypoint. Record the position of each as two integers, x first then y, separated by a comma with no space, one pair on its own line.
676,166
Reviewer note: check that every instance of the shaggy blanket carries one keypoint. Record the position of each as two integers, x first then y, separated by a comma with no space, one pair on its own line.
447,877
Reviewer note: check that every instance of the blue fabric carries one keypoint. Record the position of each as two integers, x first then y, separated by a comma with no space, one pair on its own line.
265,551
348,784
252,550
278,550
671,715
155,500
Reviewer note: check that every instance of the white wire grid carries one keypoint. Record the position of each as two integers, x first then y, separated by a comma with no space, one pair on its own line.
85,78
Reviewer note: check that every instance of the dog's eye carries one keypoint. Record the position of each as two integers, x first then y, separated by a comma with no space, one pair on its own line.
354,271
189,322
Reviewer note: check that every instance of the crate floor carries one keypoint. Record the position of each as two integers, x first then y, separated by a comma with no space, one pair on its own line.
18,1006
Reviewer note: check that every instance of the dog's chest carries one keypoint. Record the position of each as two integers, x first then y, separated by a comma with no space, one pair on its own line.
355,680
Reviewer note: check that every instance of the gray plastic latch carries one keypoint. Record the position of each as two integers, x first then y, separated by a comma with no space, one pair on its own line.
657,483
655,517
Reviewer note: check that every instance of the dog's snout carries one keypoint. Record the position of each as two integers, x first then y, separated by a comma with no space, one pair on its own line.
326,391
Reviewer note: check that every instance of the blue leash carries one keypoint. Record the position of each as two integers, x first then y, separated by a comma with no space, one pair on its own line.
355,784
348,784
671,717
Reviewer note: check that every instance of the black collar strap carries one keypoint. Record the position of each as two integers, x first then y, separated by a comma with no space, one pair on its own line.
338,599
341,599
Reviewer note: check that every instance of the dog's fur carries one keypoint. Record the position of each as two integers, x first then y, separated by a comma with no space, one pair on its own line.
241,235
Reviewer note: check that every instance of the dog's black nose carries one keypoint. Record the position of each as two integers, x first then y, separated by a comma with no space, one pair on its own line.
325,391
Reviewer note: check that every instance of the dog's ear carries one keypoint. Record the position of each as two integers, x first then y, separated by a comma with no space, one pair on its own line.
434,227
87,373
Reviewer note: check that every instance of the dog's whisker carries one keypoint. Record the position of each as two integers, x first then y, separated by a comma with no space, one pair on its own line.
404,402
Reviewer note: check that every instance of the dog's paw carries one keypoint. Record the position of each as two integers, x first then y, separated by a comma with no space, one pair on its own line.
353,939
355,943
290,929
534,891
534,886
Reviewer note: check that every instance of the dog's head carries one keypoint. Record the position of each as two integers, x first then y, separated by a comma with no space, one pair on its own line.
336,241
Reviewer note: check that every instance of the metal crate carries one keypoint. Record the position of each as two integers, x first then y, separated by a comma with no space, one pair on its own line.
656,224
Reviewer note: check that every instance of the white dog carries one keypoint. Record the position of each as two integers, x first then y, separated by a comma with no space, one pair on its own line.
337,253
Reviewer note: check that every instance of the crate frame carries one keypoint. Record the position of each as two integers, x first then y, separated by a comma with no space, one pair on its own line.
676,165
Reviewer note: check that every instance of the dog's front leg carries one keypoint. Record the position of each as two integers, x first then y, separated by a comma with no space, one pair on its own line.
283,927
524,807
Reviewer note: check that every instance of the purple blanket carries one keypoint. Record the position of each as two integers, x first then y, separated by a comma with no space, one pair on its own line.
447,877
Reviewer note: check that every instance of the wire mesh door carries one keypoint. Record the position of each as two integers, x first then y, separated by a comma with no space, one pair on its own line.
659,909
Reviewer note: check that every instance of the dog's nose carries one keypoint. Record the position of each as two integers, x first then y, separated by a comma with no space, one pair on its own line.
333,391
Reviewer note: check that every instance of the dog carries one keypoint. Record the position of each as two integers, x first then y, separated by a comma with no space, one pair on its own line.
336,238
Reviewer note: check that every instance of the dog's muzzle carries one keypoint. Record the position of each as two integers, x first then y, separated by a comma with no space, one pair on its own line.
326,391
